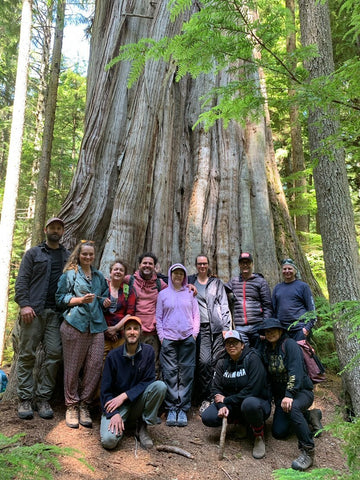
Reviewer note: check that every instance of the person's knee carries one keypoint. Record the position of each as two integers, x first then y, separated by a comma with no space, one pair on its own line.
111,441
279,432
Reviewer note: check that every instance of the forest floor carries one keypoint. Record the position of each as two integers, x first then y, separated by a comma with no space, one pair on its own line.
130,462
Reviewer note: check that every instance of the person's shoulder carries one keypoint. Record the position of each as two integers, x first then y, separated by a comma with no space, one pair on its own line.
147,349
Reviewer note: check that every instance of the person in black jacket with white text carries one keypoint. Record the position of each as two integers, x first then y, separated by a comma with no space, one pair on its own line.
240,390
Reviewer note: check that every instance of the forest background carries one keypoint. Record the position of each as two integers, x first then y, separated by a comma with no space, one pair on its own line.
292,95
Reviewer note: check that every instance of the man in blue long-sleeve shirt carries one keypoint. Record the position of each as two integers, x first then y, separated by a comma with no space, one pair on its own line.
291,300
129,392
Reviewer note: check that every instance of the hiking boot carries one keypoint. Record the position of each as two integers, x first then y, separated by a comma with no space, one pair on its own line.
84,416
259,447
72,416
171,419
315,417
181,419
44,410
304,460
143,436
205,404
25,412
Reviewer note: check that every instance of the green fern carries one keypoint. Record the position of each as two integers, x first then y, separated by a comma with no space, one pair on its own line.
35,462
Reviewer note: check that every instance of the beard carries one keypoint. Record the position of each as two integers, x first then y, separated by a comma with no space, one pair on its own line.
53,237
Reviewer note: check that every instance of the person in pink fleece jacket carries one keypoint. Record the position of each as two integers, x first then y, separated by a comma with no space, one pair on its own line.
177,325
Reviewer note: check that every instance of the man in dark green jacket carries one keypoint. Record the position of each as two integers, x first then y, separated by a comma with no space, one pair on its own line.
35,288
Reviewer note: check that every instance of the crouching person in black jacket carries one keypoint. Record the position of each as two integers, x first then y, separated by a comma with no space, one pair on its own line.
129,392
291,388
240,390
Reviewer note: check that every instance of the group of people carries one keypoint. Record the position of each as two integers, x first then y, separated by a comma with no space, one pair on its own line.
149,337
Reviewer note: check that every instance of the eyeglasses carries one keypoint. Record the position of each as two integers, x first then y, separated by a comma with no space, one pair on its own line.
202,264
231,343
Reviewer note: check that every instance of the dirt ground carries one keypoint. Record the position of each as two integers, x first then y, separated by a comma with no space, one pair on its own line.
131,462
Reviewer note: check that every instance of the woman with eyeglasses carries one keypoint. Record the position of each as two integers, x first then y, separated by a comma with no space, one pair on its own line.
240,390
214,319
82,292
292,301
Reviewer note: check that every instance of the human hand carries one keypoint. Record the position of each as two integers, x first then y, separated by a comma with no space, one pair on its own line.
106,303
115,403
286,404
116,424
27,314
192,289
88,298
219,398
223,412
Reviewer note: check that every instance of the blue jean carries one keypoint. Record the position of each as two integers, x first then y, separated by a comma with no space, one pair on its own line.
177,360
145,407
283,422
252,411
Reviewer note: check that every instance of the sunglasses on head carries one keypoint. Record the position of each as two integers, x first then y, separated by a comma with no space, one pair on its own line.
287,260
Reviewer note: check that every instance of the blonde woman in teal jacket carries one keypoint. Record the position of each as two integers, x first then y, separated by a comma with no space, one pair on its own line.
82,292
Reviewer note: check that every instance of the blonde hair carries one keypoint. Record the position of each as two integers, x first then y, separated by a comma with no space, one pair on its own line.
74,259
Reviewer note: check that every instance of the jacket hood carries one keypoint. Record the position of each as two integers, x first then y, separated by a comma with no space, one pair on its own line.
174,267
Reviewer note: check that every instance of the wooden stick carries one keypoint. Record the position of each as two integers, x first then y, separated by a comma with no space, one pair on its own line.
172,449
222,438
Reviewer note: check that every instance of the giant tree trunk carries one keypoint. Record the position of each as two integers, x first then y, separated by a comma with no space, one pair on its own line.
336,216
146,180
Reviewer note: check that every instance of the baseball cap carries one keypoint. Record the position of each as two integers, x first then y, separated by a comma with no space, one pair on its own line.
245,256
133,319
233,334
54,219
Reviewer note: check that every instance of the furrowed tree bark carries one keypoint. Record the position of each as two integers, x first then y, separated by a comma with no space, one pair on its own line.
336,218
146,180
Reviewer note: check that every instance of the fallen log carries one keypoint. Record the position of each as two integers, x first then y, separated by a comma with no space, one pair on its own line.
172,449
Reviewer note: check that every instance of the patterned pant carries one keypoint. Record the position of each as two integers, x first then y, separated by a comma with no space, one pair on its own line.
83,353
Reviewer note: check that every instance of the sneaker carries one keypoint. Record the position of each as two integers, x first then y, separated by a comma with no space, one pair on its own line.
315,417
84,416
182,419
143,436
44,409
72,416
25,412
259,448
205,404
304,460
171,419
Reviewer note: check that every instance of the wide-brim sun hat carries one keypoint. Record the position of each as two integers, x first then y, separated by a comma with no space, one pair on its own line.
270,323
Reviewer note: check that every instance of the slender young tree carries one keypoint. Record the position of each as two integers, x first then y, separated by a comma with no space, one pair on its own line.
49,121
13,165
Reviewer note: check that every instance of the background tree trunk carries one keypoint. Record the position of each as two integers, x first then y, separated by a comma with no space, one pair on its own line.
336,218
13,165
146,180
49,121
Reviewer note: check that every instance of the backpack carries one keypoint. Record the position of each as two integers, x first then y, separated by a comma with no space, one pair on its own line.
314,368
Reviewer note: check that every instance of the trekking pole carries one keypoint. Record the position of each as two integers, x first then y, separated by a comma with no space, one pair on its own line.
222,438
